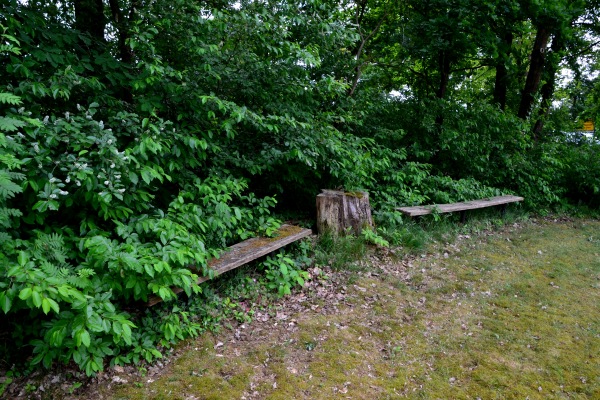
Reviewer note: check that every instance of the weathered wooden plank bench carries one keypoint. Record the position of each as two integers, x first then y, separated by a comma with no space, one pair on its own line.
462,207
246,251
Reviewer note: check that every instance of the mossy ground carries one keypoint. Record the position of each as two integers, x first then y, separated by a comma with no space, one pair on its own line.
510,314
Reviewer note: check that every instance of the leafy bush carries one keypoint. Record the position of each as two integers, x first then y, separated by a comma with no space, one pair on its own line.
282,274
445,152
580,173
121,240
97,214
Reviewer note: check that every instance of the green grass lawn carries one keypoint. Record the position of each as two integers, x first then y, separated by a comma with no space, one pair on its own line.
509,315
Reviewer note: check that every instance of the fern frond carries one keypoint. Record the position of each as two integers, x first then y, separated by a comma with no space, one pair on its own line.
78,282
50,270
45,240
58,275
6,214
81,280
10,161
4,237
86,272
50,247
9,98
7,187
56,240
130,261
16,176
8,124
10,38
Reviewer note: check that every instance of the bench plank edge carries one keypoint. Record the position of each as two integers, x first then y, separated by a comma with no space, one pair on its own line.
462,206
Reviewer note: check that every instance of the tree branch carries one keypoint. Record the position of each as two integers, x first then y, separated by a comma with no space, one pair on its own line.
363,42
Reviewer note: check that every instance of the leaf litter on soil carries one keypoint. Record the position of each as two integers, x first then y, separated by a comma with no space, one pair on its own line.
508,314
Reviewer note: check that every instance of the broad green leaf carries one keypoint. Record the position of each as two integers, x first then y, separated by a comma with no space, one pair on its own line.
149,270
45,305
54,305
23,258
133,177
5,302
284,269
117,327
164,293
146,176
36,297
25,293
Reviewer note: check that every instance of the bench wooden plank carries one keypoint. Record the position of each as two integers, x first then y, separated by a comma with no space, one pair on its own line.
468,205
246,251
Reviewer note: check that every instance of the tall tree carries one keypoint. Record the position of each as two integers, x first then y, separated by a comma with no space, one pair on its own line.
552,20
536,68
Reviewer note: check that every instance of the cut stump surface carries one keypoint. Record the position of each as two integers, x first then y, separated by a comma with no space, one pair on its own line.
338,211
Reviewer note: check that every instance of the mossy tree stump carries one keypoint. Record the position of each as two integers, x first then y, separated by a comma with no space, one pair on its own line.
339,210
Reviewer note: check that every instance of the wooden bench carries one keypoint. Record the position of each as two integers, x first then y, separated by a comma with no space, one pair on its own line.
462,207
246,251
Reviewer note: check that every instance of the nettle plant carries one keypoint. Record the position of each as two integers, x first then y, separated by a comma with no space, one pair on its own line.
283,271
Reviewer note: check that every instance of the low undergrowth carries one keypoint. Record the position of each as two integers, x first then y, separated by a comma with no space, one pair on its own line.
484,313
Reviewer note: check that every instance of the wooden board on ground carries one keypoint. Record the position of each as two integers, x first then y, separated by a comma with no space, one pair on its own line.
246,251
468,205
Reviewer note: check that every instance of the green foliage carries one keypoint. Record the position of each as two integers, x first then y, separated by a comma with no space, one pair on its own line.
339,252
4,385
580,178
101,207
374,238
138,141
283,273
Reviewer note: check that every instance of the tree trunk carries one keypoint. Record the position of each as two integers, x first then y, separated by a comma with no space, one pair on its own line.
444,65
501,84
122,24
548,87
534,76
337,211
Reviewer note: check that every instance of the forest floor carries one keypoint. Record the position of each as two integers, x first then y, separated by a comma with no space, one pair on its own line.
507,313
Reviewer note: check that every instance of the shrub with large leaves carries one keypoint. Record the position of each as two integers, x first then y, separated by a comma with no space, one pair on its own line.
100,209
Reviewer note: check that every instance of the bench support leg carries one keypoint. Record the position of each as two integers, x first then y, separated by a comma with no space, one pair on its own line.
463,217
503,209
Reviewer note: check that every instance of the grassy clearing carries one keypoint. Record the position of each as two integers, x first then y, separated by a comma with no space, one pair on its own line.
501,315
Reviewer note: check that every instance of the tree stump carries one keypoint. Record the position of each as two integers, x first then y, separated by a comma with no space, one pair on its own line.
338,210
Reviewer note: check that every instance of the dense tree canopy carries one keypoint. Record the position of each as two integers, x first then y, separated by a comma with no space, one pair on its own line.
138,137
